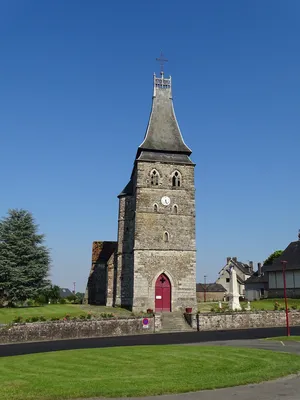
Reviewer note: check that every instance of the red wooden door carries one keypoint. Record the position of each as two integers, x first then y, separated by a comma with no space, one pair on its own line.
162,294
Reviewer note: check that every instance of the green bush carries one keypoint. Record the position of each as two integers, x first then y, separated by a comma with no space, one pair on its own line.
42,318
294,307
54,319
18,320
62,301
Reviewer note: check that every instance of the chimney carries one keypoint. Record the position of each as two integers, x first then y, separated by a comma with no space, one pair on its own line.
251,266
259,270
228,259
234,259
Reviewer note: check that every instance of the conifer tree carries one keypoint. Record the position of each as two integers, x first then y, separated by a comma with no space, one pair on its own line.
24,260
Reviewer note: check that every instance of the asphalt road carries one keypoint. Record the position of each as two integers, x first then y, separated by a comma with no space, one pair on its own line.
145,339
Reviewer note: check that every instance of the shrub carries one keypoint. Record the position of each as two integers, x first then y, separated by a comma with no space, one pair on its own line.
82,316
89,316
18,320
67,317
34,319
30,303
294,307
276,306
42,318
62,301
54,319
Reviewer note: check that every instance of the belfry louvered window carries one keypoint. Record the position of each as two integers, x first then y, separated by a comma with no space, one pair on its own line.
154,177
176,179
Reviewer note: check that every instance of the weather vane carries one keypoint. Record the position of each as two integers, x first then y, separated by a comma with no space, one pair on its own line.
161,60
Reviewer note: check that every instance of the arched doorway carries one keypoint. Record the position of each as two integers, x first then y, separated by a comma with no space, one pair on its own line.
162,294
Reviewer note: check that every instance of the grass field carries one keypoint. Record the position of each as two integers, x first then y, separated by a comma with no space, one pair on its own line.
56,310
137,371
265,304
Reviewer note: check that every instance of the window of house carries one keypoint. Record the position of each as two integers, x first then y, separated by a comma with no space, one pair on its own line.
227,280
176,179
154,177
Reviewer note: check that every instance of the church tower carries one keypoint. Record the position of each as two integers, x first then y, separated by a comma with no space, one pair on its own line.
156,254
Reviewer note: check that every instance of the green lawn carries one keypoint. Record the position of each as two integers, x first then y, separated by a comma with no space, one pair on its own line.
137,371
265,304
57,310
285,338
51,310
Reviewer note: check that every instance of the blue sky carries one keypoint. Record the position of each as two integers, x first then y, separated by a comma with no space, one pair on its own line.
76,87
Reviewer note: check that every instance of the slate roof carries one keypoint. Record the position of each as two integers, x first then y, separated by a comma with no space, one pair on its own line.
65,292
163,133
244,268
210,287
291,254
127,191
255,278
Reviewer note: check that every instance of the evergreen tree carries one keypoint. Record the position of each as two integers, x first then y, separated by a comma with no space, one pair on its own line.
24,260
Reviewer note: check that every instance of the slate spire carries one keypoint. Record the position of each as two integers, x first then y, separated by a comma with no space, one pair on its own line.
163,133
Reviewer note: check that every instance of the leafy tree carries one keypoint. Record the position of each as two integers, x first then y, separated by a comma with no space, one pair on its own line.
79,297
24,260
272,257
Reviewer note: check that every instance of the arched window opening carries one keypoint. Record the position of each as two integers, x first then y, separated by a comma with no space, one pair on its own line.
175,209
155,208
176,179
154,178
166,237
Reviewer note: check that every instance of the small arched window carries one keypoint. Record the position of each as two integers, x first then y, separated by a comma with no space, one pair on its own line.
166,236
154,177
155,207
175,209
176,179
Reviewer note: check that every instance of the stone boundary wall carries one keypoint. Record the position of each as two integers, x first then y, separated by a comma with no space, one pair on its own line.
40,331
241,320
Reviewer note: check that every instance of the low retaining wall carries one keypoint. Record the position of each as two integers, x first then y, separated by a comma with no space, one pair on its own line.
241,320
38,331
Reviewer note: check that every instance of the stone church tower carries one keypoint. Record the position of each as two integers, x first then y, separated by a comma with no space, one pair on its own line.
154,261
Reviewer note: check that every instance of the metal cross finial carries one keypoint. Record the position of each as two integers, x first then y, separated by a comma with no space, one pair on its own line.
162,60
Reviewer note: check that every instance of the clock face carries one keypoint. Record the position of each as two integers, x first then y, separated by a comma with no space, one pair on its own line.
165,200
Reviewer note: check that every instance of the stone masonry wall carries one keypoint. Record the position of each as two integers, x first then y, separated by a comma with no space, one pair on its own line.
241,320
152,254
41,331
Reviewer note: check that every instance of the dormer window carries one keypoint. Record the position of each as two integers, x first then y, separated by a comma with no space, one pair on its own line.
154,177
176,179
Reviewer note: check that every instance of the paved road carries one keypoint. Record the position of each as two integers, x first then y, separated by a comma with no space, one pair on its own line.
146,339
285,388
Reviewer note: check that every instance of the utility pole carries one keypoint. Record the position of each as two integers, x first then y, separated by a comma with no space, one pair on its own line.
204,288
288,333
74,287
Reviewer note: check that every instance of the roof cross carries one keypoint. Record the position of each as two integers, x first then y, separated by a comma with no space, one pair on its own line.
162,60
